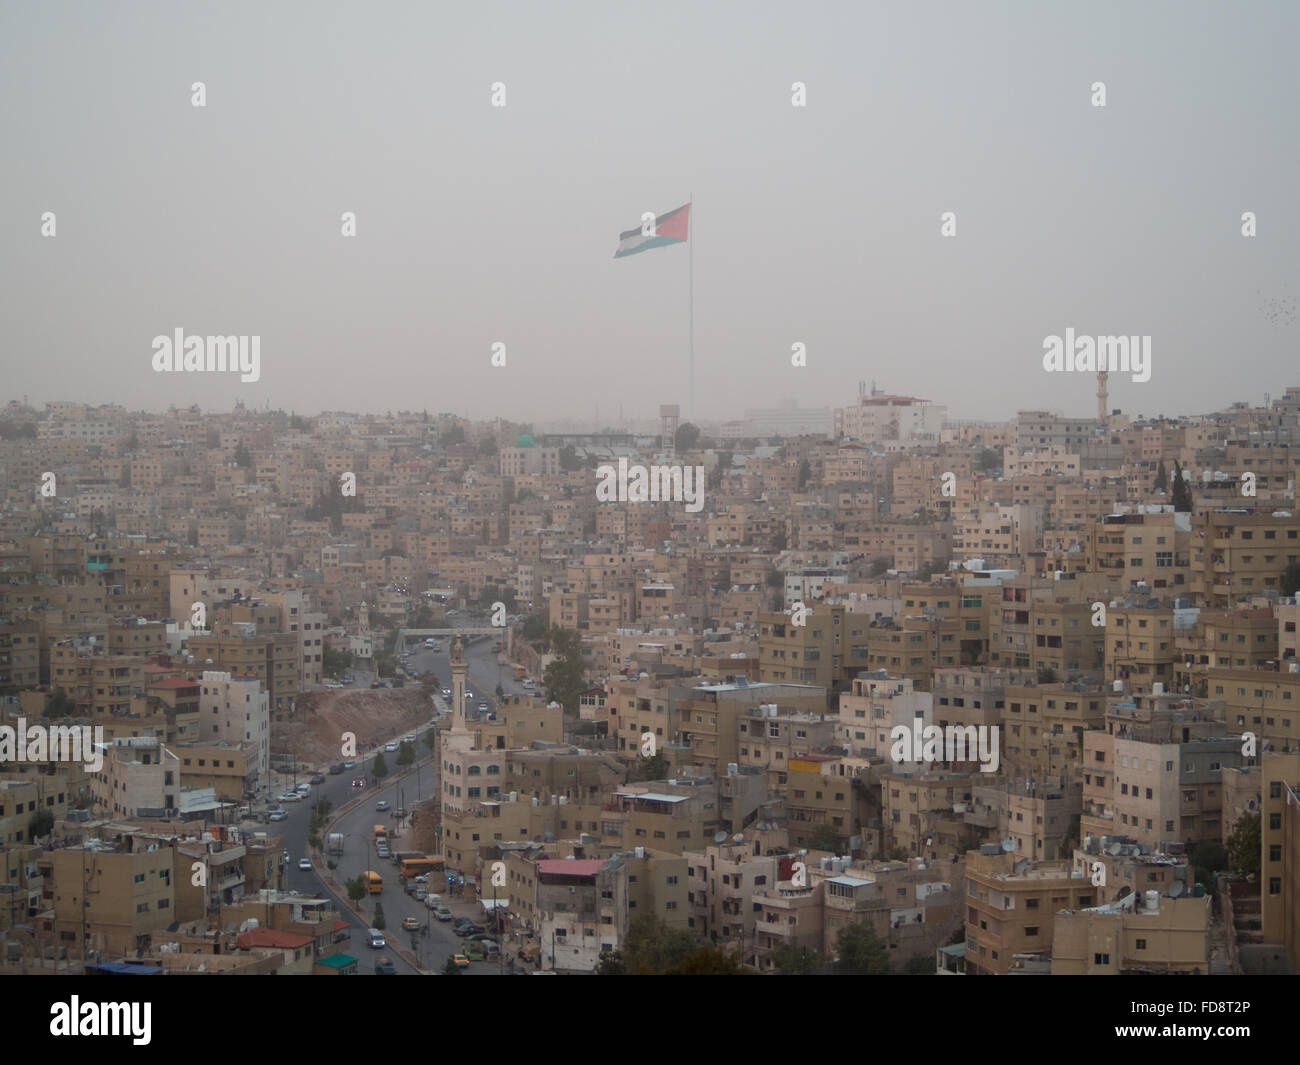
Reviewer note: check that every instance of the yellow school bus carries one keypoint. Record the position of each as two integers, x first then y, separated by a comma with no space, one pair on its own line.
415,866
374,882
380,833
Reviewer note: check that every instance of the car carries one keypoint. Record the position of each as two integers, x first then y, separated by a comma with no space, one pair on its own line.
474,950
376,938
382,804
423,878
418,894
385,967
336,769
304,864
475,930
289,796
375,684
460,961
411,924
358,783
318,779
349,765
446,693
303,789
286,856
346,678
483,708
277,815
389,748
442,913
400,812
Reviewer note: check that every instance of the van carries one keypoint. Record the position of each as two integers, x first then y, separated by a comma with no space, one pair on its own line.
433,901
376,939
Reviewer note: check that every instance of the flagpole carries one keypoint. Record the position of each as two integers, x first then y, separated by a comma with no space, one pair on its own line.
690,254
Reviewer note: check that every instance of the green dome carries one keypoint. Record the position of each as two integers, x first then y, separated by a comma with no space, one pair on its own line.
524,441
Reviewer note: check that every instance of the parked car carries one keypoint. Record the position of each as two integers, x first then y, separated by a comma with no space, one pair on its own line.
483,708
442,913
336,769
303,788
385,967
358,783
349,764
277,815
400,812
289,796
318,779
460,961
446,693
418,894
389,748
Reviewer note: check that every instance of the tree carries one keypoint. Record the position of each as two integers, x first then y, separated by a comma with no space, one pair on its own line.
922,966
565,678
534,628
431,738
405,754
569,461
799,961
356,889
1182,491
653,768
380,769
988,460
861,951
825,838
385,664
1291,579
335,662
687,438
1162,479
650,948
775,579
805,472
60,704
1244,846
41,824
379,916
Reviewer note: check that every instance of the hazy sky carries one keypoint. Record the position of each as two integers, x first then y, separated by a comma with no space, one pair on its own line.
479,224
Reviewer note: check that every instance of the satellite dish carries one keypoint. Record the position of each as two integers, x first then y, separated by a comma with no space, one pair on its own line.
721,837
738,838
1008,844
1176,889
1115,849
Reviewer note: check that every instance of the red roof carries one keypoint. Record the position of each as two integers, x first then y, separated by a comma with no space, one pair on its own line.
269,937
570,866
175,682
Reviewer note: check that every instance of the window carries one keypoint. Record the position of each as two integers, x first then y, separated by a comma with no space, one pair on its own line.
1101,959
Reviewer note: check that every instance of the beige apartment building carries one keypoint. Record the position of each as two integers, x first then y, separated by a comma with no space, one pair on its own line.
1152,936
1237,554
1151,546
1280,852
1011,907
108,901
1154,788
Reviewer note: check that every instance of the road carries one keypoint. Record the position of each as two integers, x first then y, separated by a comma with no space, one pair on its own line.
436,940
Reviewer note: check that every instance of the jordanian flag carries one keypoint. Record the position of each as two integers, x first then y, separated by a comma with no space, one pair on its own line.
669,228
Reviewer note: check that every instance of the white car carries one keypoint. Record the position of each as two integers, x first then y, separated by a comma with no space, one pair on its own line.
277,815
304,864
289,796
390,747
303,789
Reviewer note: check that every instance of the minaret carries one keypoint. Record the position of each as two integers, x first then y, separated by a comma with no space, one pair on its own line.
458,667
1102,375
